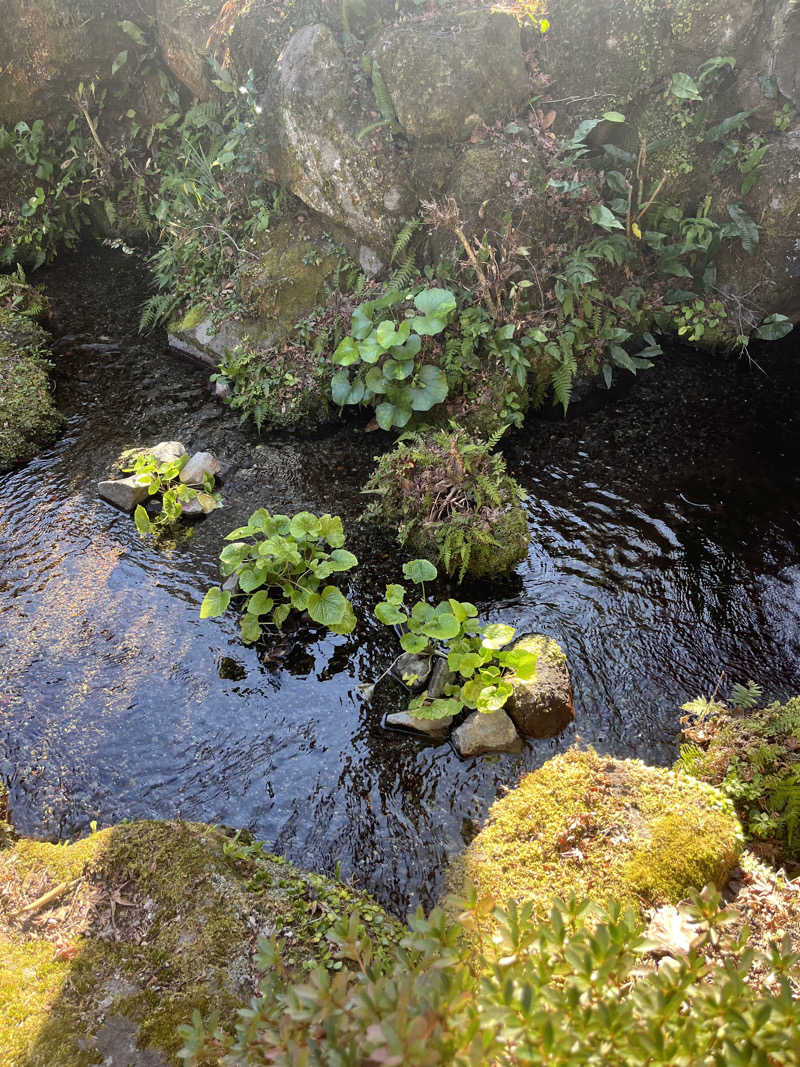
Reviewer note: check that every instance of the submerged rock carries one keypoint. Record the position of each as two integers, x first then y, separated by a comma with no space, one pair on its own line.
125,493
412,670
481,734
544,706
153,921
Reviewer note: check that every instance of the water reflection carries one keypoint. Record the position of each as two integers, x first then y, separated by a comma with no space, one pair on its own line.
665,551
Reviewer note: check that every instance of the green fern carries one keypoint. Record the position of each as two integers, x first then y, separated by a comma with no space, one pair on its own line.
403,238
382,98
157,310
562,381
403,275
785,798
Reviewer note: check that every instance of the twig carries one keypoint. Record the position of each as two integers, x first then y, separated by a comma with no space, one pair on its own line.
48,898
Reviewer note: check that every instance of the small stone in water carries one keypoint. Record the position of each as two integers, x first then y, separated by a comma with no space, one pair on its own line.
125,493
200,464
412,669
482,733
435,728
167,451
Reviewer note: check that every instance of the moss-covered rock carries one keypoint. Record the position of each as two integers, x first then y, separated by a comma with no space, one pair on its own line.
28,415
447,75
154,921
451,501
544,706
288,278
602,828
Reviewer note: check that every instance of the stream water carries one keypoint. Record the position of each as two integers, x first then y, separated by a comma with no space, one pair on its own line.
666,550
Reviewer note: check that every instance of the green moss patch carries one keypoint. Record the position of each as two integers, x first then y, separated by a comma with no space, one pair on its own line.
606,829
28,416
154,921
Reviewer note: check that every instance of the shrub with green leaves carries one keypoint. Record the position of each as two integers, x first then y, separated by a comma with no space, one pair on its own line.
386,359
449,496
753,755
577,990
477,654
280,564
164,478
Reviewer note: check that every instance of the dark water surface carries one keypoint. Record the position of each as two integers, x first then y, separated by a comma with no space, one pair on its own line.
666,549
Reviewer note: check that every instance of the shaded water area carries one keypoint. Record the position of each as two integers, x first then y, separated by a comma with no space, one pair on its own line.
666,549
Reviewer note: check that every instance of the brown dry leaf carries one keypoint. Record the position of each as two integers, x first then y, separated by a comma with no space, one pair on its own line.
548,119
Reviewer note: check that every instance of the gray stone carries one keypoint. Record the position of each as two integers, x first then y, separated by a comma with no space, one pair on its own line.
544,706
124,493
166,451
202,504
448,75
409,666
480,734
435,728
231,584
441,676
318,157
200,464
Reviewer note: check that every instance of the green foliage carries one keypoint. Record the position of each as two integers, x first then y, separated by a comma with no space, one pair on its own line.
163,478
568,992
280,564
476,654
384,361
753,755
19,298
449,495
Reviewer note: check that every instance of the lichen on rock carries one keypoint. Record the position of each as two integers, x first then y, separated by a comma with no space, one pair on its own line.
542,707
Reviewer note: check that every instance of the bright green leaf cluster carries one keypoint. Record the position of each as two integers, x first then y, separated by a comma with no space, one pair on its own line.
475,653
164,478
383,361
281,564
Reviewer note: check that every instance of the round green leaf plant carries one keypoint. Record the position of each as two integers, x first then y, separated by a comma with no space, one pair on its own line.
281,564
387,362
164,478
478,655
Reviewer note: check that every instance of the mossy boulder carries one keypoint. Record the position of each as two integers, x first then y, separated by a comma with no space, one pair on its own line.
602,828
153,921
768,279
287,279
317,155
542,707
612,51
28,415
447,75
452,501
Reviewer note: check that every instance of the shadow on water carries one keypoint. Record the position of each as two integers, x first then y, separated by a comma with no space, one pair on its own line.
665,551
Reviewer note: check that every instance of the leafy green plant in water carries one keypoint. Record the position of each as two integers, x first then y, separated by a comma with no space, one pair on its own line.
384,361
163,478
476,653
280,564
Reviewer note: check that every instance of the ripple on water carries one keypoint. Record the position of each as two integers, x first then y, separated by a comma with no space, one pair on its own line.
665,550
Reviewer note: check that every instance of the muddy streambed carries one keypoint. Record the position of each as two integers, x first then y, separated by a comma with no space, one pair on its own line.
666,549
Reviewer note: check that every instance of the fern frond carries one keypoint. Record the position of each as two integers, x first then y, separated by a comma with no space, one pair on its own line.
382,98
562,382
405,274
785,798
494,440
403,237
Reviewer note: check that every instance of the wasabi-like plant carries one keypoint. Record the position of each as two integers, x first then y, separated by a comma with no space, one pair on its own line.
477,654
164,478
383,361
280,564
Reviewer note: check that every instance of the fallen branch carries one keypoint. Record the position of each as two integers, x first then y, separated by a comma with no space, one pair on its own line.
48,898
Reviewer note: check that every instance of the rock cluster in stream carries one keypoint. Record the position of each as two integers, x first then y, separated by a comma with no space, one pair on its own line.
540,708
128,493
